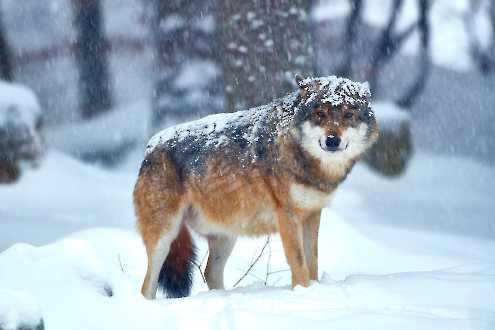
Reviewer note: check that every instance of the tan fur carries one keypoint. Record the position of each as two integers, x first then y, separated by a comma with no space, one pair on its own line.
220,247
226,199
229,200
310,237
305,197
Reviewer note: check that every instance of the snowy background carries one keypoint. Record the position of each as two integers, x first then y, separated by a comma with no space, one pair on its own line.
415,251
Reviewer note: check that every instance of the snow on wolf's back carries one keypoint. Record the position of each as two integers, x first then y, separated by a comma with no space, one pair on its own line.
249,136
244,135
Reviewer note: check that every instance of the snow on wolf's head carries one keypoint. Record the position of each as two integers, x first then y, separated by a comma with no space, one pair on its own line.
336,120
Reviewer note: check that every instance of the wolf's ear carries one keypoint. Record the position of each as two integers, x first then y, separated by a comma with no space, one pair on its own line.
299,80
303,90
365,91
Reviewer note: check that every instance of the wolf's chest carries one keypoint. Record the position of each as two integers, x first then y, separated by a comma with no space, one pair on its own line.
307,198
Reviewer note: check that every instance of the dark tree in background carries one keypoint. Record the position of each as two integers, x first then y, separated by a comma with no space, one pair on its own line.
91,58
6,70
365,60
492,20
188,80
264,44
483,57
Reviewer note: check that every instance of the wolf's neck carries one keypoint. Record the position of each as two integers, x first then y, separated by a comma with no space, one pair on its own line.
322,173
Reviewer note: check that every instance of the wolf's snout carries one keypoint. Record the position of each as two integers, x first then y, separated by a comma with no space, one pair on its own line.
332,142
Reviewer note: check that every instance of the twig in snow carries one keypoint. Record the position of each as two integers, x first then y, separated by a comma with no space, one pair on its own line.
120,263
254,262
278,271
268,262
203,259
200,265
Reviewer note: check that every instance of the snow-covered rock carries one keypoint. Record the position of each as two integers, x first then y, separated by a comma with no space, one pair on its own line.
20,120
109,135
390,116
392,152
19,311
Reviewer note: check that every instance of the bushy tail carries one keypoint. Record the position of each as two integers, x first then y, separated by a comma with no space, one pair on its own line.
176,275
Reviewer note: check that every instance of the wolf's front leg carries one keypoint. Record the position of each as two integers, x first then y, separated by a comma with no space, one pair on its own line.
310,236
220,247
291,232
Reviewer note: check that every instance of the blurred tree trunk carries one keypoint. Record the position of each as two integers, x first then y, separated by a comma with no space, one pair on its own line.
351,30
483,57
188,76
492,46
264,43
91,57
6,70
492,21
410,96
391,154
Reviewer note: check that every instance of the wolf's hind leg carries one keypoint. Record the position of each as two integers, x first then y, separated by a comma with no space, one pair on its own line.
157,250
310,236
220,247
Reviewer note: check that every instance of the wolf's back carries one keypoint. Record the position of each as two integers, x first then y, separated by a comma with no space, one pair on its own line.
244,136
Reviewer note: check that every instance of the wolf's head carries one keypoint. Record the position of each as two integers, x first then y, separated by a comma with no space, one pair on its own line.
335,117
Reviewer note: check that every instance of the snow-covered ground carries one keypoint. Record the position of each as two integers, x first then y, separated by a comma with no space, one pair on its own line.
416,252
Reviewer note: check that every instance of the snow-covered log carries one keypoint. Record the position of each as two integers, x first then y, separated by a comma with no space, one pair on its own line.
392,151
106,138
20,121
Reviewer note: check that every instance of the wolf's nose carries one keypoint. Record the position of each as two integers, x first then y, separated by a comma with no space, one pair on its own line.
332,142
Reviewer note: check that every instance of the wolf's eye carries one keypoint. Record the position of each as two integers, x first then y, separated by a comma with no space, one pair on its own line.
348,115
320,114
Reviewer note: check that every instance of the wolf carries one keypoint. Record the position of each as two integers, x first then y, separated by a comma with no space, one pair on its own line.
255,172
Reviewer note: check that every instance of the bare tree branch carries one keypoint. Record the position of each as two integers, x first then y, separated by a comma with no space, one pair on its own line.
120,264
200,266
268,262
386,45
418,86
484,58
278,271
6,67
400,37
66,48
350,36
267,242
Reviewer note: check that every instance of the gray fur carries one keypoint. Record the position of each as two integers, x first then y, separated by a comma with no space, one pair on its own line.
250,136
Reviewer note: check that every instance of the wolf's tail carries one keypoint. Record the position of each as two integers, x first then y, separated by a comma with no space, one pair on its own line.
176,275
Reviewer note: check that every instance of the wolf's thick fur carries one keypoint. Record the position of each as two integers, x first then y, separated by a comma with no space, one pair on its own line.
264,170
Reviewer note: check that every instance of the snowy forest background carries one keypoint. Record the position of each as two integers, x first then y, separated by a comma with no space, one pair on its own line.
409,240
88,60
